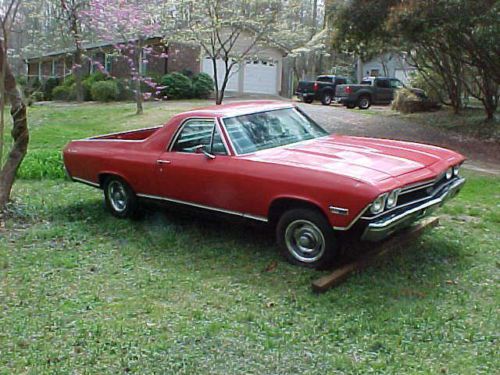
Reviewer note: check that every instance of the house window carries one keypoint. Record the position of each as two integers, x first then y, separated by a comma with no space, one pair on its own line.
108,62
143,64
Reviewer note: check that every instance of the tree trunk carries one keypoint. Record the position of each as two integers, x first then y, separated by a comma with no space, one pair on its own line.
138,92
20,133
77,72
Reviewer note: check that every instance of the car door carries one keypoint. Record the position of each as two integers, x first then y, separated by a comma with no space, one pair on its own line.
383,90
186,175
396,84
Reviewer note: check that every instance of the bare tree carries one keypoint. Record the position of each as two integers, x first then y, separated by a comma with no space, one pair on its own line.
9,92
219,26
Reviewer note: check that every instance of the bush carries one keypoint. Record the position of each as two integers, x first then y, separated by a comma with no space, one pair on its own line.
62,93
177,86
104,91
68,80
40,164
406,101
48,86
203,86
37,96
434,91
124,92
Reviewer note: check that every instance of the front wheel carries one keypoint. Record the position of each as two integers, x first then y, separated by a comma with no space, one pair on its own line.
306,238
119,197
308,99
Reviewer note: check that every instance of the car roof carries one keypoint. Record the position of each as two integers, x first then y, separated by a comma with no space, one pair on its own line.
237,108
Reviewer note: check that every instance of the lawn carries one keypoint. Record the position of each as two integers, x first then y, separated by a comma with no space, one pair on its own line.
83,292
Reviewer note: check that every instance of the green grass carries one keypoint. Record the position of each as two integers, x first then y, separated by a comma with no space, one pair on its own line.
83,292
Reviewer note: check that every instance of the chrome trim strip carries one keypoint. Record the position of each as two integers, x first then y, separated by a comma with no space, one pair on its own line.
417,185
354,220
86,182
406,204
339,210
242,214
387,225
183,124
420,187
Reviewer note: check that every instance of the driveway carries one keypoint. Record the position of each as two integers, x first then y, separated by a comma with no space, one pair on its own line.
482,156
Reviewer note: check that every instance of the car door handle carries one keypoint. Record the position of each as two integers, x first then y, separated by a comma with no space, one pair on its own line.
163,162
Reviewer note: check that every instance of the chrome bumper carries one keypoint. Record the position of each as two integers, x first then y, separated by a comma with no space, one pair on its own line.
385,226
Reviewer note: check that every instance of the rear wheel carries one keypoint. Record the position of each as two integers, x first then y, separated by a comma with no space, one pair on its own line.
350,105
364,102
306,238
119,197
326,99
308,100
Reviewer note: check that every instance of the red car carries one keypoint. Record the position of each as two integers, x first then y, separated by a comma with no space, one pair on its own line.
268,161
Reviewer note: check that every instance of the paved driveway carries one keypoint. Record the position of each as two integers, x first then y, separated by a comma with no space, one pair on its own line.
483,156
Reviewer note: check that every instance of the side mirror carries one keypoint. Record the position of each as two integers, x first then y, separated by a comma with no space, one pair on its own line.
200,149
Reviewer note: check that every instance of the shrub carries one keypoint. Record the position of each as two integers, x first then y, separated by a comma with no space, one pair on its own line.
124,92
177,86
22,81
62,93
40,164
104,91
37,96
48,86
406,101
434,91
68,80
203,86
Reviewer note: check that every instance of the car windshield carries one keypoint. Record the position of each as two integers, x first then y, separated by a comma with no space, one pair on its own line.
263,130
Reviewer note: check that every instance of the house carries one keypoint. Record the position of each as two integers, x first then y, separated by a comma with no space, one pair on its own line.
261,72
390,64
180,57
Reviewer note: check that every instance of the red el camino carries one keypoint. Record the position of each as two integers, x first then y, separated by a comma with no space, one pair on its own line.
268,161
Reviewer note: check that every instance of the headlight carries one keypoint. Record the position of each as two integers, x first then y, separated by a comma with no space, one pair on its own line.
378,204
456,169
392,199
449,173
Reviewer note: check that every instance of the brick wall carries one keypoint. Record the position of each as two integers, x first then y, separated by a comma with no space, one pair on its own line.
183,57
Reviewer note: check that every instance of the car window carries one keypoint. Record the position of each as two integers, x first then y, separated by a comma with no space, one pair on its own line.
396,84
275,128
366,82
324,79
384,83
198,132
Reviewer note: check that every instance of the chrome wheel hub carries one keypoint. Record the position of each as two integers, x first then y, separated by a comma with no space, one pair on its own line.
117,196
304,241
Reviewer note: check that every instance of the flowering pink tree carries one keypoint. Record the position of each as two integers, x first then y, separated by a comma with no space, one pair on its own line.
126,24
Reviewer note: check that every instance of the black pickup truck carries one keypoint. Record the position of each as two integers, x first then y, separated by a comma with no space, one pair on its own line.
322,89
371,90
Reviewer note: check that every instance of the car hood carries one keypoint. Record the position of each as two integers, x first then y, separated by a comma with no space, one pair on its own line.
365,159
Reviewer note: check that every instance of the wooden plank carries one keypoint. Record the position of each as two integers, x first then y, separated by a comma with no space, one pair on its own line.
380,249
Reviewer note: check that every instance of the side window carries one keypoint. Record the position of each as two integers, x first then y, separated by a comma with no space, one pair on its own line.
324,79
199,132
396,84
384,83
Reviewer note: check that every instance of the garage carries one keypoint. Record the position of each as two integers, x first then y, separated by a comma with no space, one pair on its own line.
261,77
233,82
254,76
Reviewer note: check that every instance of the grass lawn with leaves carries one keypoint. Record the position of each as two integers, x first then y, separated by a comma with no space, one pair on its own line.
177,293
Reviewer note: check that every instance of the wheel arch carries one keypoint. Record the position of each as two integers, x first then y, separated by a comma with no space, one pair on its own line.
282,204
103,176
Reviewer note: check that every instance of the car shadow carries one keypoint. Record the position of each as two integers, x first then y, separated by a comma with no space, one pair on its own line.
221,239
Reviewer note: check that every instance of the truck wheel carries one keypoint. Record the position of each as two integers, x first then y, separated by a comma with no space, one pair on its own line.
364,102
308,100
119,197
326,99
350,105
306,238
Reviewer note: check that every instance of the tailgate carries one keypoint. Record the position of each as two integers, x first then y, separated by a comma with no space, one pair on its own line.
305,87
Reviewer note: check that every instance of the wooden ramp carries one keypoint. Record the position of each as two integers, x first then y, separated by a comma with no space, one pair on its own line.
380,249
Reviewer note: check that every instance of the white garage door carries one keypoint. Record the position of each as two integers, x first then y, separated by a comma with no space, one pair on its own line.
232,84
261,77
